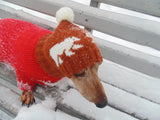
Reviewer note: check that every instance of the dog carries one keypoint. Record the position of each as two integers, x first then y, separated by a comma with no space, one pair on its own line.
40,56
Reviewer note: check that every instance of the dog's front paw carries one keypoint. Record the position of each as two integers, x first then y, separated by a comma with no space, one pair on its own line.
27,98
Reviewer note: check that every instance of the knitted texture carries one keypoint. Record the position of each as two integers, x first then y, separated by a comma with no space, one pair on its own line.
18,41
40,56
67,51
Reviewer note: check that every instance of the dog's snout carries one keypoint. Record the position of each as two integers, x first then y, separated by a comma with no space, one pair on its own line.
102,105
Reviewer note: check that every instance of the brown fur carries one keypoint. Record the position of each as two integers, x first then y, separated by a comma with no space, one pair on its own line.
89,85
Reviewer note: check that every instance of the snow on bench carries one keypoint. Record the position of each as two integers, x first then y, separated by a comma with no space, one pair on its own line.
10,96
129,73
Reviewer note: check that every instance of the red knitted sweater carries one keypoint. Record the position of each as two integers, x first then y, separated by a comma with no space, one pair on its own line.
18,41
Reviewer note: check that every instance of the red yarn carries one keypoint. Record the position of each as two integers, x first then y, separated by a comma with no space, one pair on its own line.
18,40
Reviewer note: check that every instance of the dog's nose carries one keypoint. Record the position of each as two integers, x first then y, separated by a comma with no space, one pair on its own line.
102,105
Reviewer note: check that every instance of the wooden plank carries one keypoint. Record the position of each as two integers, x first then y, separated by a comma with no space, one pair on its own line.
5,115
8,10
113,103
93,3
130,28
111,91
8,97
126,106
40,93
131,58
131,81
151,7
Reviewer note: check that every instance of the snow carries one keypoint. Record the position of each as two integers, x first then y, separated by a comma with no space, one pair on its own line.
73,99
117,98
130,80
132,104
43,111
62,84
121,79
22,85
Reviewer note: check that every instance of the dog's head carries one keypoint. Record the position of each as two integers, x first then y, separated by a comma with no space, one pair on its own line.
88,84
71,52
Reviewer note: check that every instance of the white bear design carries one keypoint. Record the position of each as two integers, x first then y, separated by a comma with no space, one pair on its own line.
66,46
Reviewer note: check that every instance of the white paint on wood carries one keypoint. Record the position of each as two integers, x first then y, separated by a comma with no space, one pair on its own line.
151,7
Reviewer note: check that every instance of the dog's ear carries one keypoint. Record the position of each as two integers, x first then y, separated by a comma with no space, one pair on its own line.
89,85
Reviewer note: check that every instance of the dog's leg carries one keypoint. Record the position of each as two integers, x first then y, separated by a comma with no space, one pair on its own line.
25,84
27,98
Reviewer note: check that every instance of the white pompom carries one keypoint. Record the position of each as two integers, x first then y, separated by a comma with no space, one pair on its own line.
65,13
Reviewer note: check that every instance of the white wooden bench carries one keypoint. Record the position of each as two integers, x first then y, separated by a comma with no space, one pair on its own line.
130,72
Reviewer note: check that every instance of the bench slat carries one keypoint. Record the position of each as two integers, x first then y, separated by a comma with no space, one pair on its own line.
130,28
14,11
13,92
131,58
131,81
118,99
150,7
4,115
10,94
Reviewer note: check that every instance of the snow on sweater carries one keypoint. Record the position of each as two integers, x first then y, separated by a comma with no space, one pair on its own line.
18,41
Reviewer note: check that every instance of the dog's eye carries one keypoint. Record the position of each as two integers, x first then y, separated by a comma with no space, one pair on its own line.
81,74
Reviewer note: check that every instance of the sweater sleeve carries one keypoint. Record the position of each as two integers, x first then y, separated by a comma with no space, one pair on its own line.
24,83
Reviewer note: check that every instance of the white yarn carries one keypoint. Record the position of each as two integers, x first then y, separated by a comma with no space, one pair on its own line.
65,13
66,46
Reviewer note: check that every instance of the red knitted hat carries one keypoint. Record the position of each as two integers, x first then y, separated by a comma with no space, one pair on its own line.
69,49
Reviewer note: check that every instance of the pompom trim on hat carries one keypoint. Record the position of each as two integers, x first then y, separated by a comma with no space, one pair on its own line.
65,13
